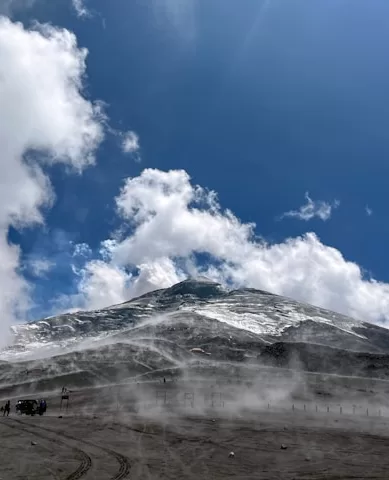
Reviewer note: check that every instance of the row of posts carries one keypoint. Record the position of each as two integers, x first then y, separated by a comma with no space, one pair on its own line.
217,401
216,398
340,409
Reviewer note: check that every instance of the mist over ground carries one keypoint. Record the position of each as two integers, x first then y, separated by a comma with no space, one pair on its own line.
181,380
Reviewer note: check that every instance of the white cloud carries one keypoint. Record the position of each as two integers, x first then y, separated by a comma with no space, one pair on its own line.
313,208
172,221
368,211
161,273
7,7
44,120
80,8
82,250
130,142
39,266
100,281
103,284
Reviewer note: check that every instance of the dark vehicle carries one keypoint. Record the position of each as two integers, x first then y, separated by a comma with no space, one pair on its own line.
28,407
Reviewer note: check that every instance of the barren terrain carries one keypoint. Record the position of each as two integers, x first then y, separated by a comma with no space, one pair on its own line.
187,429
195,381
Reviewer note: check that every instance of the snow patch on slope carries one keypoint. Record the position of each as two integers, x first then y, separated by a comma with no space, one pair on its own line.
264,318
256,311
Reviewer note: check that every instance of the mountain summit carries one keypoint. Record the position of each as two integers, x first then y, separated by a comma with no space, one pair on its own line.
261,316
195,324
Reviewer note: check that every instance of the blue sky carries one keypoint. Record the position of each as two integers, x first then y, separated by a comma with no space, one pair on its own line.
259,101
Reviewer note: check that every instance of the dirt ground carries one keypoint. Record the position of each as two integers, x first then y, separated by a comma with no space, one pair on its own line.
318,446
335,428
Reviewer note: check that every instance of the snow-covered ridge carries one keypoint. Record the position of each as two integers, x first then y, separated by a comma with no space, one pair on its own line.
268,316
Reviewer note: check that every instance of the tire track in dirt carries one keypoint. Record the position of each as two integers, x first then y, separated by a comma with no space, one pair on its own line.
85,466
124,465
86,461
148,430
161,433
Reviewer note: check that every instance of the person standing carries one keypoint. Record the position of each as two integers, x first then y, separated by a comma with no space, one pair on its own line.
7,408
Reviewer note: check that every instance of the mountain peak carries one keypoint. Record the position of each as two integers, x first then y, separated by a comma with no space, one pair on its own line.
200,287
202,303
201,279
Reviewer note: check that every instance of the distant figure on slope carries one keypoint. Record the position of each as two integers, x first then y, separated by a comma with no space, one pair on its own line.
7,408
164,380
42,407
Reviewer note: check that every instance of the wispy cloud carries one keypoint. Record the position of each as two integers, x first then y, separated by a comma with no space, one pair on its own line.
368,211
40,266
312,209
82,250
9,6
130,143
80,8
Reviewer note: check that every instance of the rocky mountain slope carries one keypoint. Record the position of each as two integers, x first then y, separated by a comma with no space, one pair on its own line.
194,324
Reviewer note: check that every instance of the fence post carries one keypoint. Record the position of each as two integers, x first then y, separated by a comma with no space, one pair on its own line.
161,395
219,402
65,396
189,396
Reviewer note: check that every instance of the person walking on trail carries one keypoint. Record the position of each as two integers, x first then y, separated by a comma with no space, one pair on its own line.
7,408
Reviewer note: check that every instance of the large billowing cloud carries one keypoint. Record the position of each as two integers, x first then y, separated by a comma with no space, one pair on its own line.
44,119
172,221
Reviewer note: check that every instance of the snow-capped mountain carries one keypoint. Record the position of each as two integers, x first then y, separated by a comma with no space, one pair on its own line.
203,306
196,327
